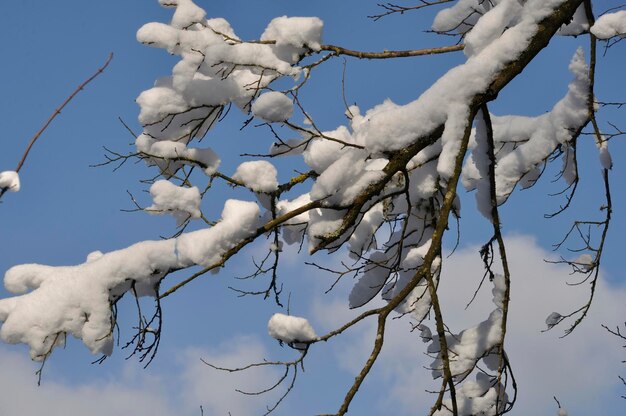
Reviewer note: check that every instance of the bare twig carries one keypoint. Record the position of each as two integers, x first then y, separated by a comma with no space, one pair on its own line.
338,50
391,8
56,113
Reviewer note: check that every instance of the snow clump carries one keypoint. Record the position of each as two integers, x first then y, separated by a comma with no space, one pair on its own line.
295,31
186,14
273,106
290,329
609,25
258,175
10,179
183,203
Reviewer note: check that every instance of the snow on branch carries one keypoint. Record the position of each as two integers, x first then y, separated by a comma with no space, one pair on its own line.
384,186
525,143
77,300
610,25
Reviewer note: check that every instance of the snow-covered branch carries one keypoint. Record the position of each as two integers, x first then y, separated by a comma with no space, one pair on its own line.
382,189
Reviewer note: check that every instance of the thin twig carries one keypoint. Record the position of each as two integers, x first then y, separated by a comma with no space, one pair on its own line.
53,116
391,54
59,109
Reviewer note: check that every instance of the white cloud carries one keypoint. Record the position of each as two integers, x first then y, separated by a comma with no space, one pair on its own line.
215,390
133,394
581,369
144,393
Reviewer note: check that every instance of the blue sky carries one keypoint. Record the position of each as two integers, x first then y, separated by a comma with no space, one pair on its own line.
67,209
